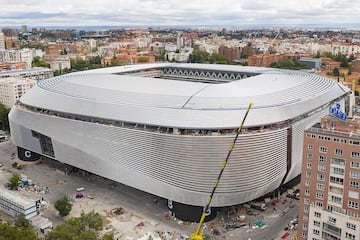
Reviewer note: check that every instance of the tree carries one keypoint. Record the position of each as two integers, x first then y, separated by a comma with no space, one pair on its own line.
22,222
336,72
87,226
14,181
22,232
63,206
4,120
37,62
288,64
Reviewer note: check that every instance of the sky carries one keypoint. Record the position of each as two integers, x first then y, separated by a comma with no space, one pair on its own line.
198,13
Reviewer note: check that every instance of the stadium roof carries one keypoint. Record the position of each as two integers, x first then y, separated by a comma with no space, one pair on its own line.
278,95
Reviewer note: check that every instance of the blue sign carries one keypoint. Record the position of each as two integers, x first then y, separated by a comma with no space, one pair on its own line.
336,112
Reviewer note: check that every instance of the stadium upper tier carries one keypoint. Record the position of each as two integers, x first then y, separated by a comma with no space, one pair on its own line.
183,102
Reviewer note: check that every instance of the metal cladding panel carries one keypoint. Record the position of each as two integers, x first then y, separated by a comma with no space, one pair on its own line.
298,129
277,94
182,168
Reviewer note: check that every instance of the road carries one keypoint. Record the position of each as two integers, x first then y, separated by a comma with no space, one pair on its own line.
273,230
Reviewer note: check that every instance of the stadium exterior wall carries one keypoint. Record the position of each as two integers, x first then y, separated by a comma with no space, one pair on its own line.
177,167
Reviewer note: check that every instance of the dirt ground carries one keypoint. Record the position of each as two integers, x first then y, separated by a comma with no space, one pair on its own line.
141,213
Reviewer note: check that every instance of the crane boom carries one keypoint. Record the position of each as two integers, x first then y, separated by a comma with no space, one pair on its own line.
198,235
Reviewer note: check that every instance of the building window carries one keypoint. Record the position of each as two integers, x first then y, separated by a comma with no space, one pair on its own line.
321,168
332,208
319,204
337,180
306,209
308,165
355,154
354,184
319,195
305,226
323,149
304,235
308,135
307,183
321,177
355,164
336,190
338,152
338,161
317,214
352,213
308,174
310,146
322,158
354,174
309,156
332,220
320,186
306,201
351,226
354,142
349,236
353,204
335,199
339,171
316,223
316,232
307,192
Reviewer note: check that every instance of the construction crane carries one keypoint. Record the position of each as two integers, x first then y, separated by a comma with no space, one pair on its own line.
198,234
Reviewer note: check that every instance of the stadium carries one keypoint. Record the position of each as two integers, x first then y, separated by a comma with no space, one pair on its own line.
166,128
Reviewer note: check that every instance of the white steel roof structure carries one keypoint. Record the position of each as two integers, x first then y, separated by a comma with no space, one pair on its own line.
277,94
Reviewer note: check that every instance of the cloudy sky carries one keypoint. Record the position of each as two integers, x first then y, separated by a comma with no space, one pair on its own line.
177,12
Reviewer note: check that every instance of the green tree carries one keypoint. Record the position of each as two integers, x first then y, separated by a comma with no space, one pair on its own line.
87,226
14,181
288,64
108,236
22,222
4,119
10,232
63,206
336,72
37,62
344,62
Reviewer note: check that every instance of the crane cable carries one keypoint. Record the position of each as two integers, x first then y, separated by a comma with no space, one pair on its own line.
198,235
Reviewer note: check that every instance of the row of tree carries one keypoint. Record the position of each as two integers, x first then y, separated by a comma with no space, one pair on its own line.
4,119
288,64
87,226
198,56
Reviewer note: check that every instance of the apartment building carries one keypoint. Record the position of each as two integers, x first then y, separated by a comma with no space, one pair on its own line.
14,55
2,40
11,89
36,73
330,179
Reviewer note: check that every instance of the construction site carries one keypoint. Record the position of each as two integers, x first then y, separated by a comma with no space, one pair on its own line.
132,214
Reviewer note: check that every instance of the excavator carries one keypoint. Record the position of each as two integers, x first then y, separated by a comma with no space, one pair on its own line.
198,234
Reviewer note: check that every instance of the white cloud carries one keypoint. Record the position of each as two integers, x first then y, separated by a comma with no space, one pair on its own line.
174,12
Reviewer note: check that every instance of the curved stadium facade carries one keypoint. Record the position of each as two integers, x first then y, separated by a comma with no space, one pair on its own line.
166,128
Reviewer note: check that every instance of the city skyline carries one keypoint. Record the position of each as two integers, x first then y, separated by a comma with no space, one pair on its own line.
228,13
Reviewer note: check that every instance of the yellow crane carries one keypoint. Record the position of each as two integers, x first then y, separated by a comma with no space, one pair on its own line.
198,234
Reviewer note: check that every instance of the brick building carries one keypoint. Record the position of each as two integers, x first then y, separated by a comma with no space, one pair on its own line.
330,180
